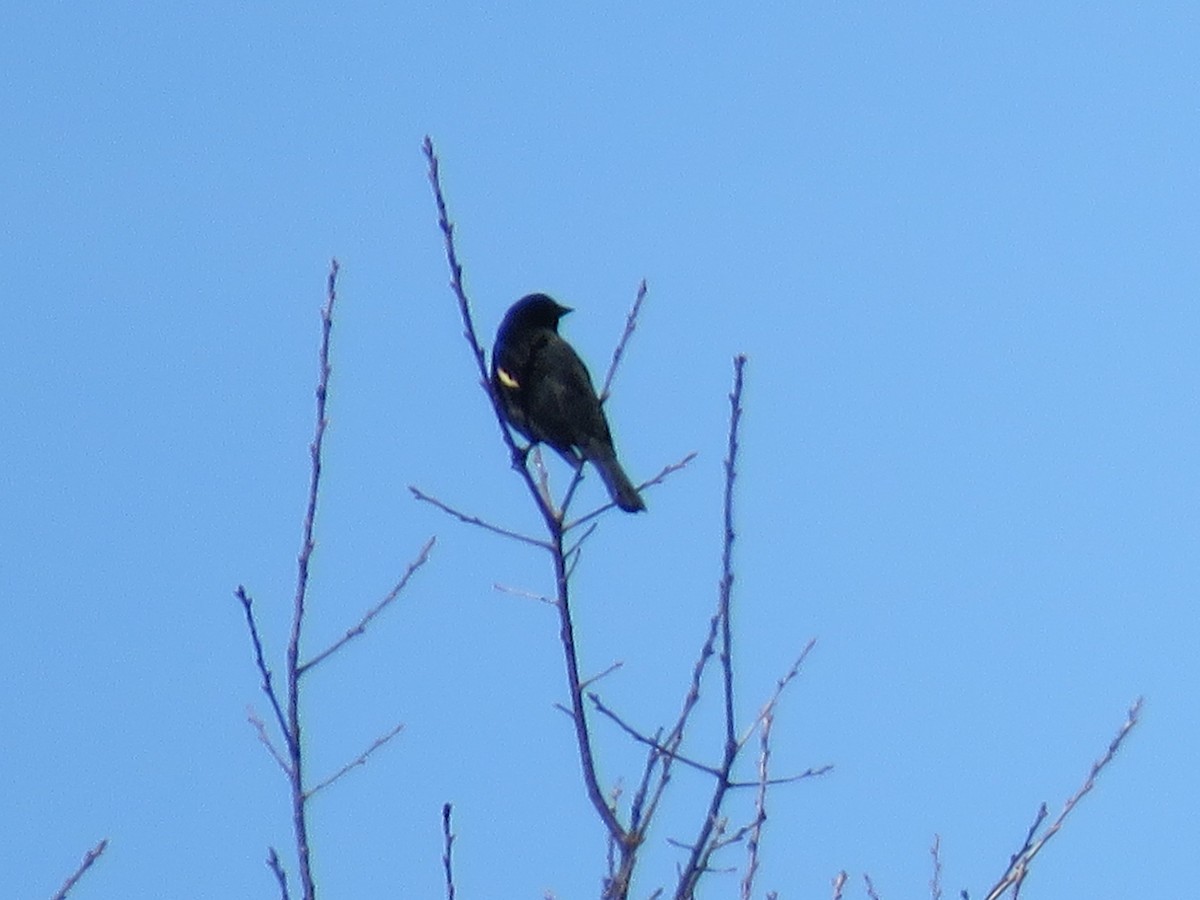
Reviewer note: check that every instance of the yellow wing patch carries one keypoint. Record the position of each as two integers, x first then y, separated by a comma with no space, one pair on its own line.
507,380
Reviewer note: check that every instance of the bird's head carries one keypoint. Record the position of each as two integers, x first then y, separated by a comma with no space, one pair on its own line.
536,311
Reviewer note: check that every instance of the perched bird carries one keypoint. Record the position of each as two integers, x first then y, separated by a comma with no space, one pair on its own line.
546,393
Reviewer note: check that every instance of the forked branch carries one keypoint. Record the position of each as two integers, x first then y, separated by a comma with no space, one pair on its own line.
1014,876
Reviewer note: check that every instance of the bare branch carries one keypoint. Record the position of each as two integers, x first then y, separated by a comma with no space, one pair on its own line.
447,845
379,607
276,867
704,846
474,520
935,883
267,685
260,728
588,682
528,595
307,544
649,741
613,874
735,405
456,269
1018,869
661,748
360,760
839,882
619,350
870,887
573,550
638,806
89,859
578,712
576,480
780,686
760,805
653,482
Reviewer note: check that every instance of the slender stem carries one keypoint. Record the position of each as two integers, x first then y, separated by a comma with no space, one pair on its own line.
448,846
578,709
268,684
1018,868
359,629
276,866
705,844
89,860
294,670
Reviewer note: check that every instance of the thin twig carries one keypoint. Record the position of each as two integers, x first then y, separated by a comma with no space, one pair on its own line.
474,520
658,479
360,760
704,846
870,887
578,710
614,800
760,806
638,806
1018,869
661,748
780,687
89,859
588,682
456,270
935,882
573,550
447,846
260,727
650,742
666,471
839,882
268,685
276,867
574,553
576,481
619,351
374,610
307,544
528,595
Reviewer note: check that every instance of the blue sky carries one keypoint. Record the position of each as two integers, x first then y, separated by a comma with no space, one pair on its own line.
958,244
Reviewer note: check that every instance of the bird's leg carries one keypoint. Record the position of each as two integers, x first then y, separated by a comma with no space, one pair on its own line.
520,454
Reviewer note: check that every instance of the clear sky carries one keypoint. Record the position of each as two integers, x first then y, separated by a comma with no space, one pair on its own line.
958,243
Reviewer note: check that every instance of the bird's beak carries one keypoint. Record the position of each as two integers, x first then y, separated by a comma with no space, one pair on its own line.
563,310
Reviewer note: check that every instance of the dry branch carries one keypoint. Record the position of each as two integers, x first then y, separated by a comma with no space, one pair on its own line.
89,860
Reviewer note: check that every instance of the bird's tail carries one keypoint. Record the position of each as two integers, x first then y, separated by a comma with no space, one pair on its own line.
620,488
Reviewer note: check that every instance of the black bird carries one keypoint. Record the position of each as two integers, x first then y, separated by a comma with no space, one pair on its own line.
546,393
